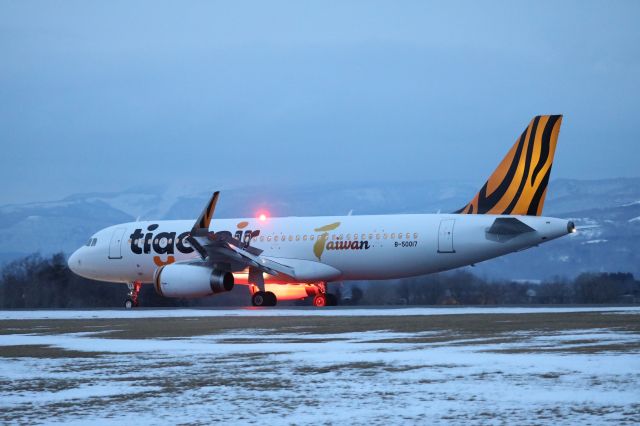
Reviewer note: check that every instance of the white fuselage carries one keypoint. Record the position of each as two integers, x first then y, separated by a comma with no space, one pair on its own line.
328,248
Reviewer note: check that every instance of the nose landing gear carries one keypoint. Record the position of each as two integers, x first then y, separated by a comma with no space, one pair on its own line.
132,297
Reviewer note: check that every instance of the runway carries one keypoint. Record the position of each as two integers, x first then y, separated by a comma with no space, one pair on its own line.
299,311
305,366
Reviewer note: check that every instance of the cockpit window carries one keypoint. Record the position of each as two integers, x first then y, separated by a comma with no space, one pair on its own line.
89,242
94,242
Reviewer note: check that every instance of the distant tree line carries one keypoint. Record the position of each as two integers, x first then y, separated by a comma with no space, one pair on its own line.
47,282
464,288
37,282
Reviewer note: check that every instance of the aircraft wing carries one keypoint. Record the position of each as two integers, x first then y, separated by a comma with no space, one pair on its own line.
222,248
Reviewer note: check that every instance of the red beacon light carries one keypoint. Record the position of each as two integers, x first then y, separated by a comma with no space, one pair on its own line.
262,217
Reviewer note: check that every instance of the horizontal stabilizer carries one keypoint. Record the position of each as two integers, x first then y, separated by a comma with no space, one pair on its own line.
509,226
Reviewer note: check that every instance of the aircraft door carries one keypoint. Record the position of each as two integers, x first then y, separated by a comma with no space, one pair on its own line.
445,236
115,245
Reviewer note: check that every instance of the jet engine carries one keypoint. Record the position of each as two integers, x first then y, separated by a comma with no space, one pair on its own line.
178,280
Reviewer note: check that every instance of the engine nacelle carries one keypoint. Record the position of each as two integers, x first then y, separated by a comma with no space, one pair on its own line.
178,280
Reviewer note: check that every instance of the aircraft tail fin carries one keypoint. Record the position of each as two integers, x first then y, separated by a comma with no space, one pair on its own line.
518,185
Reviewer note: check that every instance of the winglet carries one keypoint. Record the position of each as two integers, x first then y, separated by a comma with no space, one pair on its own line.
202,224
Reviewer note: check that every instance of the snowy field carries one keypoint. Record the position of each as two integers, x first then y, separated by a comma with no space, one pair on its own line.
342,366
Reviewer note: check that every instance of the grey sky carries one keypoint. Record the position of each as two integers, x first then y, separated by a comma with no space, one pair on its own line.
101,96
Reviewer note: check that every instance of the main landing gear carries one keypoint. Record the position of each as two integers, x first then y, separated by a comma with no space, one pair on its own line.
260,297
264,298
323,298
132,297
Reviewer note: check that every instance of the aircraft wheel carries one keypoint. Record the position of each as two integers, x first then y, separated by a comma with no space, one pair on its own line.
332,299
320,301
132,298
272,300
259,298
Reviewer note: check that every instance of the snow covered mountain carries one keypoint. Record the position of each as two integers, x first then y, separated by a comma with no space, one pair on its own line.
611,206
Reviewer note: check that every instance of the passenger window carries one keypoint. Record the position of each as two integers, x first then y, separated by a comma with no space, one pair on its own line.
377,236
297,237
275,238
393,236
290,237
399,235
269,238
415,235
385,236
261,238
311,237
304,237
408,236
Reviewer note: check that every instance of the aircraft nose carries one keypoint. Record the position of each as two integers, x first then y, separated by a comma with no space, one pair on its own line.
75,262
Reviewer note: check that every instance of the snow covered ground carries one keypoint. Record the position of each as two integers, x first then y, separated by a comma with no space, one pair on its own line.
565,367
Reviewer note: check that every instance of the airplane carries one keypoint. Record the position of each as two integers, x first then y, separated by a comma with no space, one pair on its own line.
292,258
